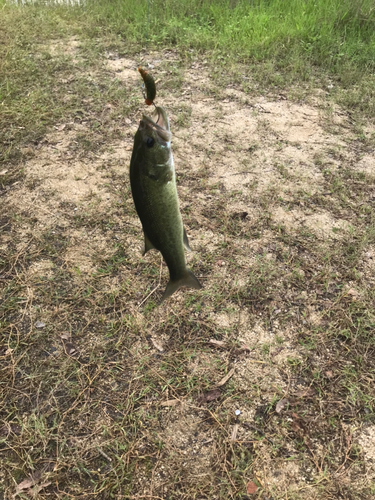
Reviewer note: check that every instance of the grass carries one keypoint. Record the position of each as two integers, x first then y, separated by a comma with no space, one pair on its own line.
278,43
106,395
282,42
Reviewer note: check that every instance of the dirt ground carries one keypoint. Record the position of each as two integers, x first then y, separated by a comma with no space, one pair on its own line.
255,177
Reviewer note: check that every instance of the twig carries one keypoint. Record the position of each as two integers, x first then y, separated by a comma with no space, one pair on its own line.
312,455
157,286
149,295
347,451
104,454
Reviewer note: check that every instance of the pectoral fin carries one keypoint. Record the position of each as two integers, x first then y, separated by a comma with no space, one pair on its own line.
187,280
148,245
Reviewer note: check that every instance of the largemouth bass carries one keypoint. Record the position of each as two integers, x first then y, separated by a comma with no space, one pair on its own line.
153,185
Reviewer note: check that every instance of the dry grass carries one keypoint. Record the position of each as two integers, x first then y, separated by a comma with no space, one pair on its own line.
106,395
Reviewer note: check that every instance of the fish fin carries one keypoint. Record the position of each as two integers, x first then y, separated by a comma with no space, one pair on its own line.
188,279
186,242
148,245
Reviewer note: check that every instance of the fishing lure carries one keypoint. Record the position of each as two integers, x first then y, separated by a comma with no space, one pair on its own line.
150,86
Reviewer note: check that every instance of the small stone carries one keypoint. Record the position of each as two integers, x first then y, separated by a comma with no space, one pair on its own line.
40,324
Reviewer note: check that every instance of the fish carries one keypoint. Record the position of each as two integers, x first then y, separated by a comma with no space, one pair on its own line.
153,187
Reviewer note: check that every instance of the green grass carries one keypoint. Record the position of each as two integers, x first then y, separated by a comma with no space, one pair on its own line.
329,34
291,40
277,42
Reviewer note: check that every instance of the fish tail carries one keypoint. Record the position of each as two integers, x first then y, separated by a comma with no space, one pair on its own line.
188,279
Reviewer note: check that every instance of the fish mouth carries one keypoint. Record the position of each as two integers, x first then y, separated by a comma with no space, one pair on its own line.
160,126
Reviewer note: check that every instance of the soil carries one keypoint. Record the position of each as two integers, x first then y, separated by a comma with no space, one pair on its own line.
246,147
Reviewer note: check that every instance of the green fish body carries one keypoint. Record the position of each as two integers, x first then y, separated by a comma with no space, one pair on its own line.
153,185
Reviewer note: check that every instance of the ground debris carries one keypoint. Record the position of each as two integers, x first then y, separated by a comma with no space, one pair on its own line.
251,488
31,486
225,379
281,404
208,396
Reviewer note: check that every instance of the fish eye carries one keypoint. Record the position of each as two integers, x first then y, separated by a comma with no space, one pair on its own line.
150,142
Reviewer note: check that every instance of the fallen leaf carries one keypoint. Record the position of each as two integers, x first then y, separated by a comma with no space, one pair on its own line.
170,402
70,348
3,172
209,396
25,485
65,336
329,374
281,405
251,488
226,378
234,432
158,346
9,351
60,127
219,343
40,324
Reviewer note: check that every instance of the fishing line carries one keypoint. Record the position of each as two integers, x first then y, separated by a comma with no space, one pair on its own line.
148,80
144,96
